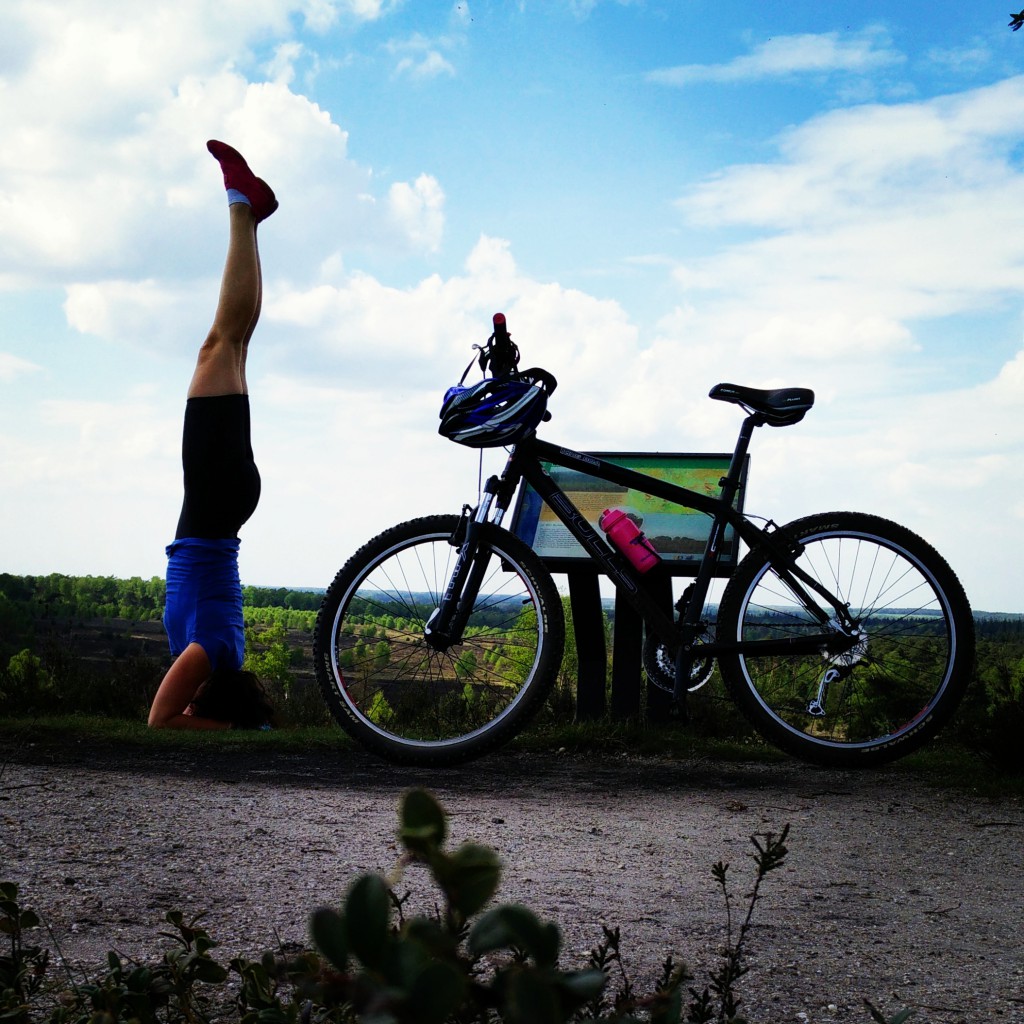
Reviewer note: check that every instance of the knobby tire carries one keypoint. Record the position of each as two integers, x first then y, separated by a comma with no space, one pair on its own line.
410,703
902,681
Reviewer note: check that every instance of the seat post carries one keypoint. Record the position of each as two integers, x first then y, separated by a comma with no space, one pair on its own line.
702,581
731,481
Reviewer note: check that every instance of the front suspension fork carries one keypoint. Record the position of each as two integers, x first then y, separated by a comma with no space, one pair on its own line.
448,620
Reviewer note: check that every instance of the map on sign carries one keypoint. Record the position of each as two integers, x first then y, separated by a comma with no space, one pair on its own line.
678,534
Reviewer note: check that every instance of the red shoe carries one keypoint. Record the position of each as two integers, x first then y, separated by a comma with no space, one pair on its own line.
238,176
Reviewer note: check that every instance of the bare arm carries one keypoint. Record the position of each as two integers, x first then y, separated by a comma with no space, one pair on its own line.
178,689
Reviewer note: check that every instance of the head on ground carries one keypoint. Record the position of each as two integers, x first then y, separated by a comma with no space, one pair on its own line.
234,696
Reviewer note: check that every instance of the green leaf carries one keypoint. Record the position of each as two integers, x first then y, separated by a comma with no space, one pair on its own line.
581,986
423,828
367,919
327,929
210,971
515,925
469,877
671,1010
531,999
438,941
437,993
407,960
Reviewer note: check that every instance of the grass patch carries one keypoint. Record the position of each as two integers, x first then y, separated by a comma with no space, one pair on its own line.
675,743
945,764
69,730
942,764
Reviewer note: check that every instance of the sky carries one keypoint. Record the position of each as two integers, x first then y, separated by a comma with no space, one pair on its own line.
661,195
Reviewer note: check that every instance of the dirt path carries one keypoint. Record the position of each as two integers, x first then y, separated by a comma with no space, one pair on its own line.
891,891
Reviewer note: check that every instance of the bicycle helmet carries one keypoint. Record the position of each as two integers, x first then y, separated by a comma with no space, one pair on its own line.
497,411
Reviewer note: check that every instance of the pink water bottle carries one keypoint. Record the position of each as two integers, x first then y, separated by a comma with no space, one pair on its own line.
629,539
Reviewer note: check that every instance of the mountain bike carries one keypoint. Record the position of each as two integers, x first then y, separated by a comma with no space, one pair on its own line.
845,639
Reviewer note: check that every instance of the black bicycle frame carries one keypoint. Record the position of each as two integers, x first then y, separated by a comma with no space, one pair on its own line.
525,463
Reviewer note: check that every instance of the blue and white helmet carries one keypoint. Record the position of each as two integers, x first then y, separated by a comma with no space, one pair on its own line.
497,411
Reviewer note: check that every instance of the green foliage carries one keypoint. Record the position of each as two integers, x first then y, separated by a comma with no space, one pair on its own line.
43,668
83,597
897,1018
23,965
26,675
468,961
268,655
991,718
280,597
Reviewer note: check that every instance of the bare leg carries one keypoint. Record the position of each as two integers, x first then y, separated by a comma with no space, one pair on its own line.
220,368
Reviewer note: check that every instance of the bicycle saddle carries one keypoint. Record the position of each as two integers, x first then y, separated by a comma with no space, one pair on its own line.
779,407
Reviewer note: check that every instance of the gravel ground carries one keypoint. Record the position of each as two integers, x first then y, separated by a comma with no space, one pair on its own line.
892,891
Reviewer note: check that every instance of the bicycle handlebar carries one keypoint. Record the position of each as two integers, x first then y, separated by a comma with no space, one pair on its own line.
500,327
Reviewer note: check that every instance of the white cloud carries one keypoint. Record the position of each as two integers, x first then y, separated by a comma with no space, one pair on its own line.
582,9
430,65
834,260
873,222
104,172
367,10
422,58
418,210
12,366
281,68
786,56
916,155
150,313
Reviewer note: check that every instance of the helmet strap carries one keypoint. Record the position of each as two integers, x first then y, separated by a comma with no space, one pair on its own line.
499,355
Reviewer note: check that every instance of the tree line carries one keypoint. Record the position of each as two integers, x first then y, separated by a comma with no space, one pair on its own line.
27,599
35,611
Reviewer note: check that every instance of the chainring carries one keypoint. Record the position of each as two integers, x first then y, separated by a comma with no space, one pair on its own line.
660,666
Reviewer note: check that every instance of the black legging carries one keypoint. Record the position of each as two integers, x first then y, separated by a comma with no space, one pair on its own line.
222,483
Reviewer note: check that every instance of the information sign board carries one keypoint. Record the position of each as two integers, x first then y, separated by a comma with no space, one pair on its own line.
678,534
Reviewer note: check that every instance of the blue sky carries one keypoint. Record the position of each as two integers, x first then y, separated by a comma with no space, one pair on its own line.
661,195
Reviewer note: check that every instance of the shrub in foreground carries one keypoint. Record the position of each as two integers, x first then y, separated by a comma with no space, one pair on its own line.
373,964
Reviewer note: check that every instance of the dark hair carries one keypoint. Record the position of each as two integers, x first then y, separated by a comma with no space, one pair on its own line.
234,696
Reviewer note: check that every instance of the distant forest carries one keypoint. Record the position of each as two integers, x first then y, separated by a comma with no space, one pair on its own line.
25,600
36,609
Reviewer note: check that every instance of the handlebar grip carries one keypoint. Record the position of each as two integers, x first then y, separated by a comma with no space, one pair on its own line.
500,327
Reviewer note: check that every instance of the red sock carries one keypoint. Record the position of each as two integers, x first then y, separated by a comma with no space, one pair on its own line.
238,178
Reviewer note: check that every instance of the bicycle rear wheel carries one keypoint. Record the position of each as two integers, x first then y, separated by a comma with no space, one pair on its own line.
900,682
398,695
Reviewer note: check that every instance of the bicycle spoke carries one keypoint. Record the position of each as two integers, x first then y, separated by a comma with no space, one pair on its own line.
404,696
902,664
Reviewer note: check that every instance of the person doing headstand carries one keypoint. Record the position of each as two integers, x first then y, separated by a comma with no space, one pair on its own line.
205,687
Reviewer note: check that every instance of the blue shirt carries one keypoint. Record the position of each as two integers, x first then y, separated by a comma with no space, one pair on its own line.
204,599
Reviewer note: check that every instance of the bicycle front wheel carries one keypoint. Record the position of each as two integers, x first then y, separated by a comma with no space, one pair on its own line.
407,701
901,680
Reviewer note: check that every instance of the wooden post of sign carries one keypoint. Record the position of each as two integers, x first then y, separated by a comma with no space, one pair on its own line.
592,658
627,646
659,701
627,656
